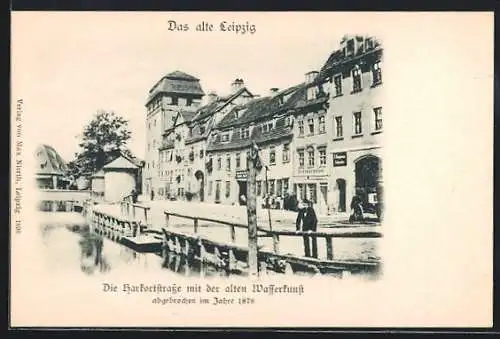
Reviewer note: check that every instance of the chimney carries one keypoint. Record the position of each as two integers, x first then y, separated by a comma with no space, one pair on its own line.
212,96
236,85
310,76
274,90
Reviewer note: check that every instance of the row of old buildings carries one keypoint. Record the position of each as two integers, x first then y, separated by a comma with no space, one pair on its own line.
319,139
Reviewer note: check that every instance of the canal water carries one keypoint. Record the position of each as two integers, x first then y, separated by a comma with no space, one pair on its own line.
68,248
77,249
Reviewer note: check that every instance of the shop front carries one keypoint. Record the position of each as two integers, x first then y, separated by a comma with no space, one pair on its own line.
357,172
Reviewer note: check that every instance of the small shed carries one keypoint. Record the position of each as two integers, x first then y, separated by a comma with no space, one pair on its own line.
97,185
120,177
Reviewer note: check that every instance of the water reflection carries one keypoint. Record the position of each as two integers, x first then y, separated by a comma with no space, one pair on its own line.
91,253
80,249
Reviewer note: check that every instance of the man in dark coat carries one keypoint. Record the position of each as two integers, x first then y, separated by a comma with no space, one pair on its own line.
307,221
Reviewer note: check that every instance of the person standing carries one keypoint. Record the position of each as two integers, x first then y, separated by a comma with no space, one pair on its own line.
308,221
152,195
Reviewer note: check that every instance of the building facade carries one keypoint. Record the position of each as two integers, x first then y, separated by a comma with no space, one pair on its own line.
346,104
175,92
267,122
182,155
51,169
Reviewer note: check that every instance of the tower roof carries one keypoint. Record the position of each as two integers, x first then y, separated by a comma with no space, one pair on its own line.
176,82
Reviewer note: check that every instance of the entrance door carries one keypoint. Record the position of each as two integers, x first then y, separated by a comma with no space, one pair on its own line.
323,188
367,176
217,191
201,180
341,189
242,192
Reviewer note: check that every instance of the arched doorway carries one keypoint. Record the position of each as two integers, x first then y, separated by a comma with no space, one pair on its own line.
341,189
368,177
201,179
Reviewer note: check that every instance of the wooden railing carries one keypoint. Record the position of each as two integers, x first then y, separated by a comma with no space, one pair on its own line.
263,232
135,211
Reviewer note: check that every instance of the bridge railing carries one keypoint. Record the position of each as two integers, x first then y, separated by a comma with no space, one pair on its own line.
277,235
135,211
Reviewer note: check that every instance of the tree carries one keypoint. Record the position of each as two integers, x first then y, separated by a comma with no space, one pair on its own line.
103,140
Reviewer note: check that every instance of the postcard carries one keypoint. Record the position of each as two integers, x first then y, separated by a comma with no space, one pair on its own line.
244,169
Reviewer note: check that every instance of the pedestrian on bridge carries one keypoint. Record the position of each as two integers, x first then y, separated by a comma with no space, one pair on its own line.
307,221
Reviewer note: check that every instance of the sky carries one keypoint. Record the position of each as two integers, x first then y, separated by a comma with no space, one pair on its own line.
69,65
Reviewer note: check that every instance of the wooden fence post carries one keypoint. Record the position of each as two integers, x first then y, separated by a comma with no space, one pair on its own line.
276,243
167,217
329,248
233,233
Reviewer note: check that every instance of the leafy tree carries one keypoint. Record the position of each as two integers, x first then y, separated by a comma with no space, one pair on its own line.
103,140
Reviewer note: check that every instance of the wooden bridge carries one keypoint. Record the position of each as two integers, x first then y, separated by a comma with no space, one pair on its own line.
135,226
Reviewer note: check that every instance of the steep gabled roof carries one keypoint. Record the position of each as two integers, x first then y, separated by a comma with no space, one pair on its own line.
49,161
262,108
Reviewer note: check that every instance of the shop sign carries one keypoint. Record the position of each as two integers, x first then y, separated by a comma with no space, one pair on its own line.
340,159
242,175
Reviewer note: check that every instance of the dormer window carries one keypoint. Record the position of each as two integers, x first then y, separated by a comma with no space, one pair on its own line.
245,133
350,47
311,93
225,137
202,129
369,44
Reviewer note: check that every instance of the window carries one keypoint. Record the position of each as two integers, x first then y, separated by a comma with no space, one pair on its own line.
219,163
174,101
350,47
272,156
357,123
210,188
356,79
246,158
321,127
228,163
154,122
182,102
228,189
149,146
286,153
339,129
301,158
271,186
285,185
259,187
310,124
378,118
376,74
302,191
279,188
238,164
245,133
311,93
202,129
153,164
369,44
322,156
310,157
225,137
337,80
301,127
312,193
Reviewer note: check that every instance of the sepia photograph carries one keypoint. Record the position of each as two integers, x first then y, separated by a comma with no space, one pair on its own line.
204,158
